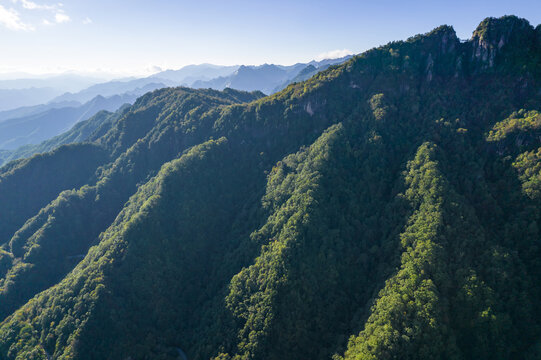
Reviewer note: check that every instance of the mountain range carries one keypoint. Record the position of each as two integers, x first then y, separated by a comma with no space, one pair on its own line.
388,207
44,122
62,82
58,114
187,75
14,98
267,78
82,131
27,91
112,88
60,89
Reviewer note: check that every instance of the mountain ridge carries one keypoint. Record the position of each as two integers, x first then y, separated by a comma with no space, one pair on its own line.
384,208
268,78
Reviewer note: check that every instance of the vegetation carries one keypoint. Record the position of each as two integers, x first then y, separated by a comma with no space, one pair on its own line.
86,130
386,208
522,121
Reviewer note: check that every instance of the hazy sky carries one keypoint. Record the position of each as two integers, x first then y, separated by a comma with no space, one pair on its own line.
135,36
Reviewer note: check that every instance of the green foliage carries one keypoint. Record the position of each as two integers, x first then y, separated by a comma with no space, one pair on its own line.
491,28
46,246
379,201
528,165
86,130
528,122
28,185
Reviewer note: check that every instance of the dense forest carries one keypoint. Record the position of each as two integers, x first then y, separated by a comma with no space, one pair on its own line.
386,208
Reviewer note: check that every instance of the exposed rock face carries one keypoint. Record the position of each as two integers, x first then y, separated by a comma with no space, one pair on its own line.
309,109
429,67
495,42
492,35
448,41
439,46
445,40
314,105
458,67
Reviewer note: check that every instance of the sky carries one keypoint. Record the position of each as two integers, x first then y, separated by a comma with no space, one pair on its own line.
136,37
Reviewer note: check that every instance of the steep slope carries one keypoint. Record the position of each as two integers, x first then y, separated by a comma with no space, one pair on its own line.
447,299
312,68
145,209
35,128
392,201
89,129
43,249
30,184
128,93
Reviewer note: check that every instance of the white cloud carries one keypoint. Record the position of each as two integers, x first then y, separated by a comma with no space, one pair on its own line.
61,17
15,23
11,20
87,21
333,54
30,5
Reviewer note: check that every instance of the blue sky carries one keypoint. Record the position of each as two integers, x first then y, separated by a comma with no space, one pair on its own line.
134,37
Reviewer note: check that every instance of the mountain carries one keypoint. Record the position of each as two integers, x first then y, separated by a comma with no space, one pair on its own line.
267,78
386,208
31,92
133,91
62,82
14,98
310,70
86,130
116,87
25,128
4,155
24,111
264,78
187,75
35,128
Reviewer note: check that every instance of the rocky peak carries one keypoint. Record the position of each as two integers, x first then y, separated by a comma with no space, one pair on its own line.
448,40
492,30
442,39
437,47
493,34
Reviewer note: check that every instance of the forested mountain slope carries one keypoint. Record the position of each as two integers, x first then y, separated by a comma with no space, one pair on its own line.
386,208
28,130
36,128
86,130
